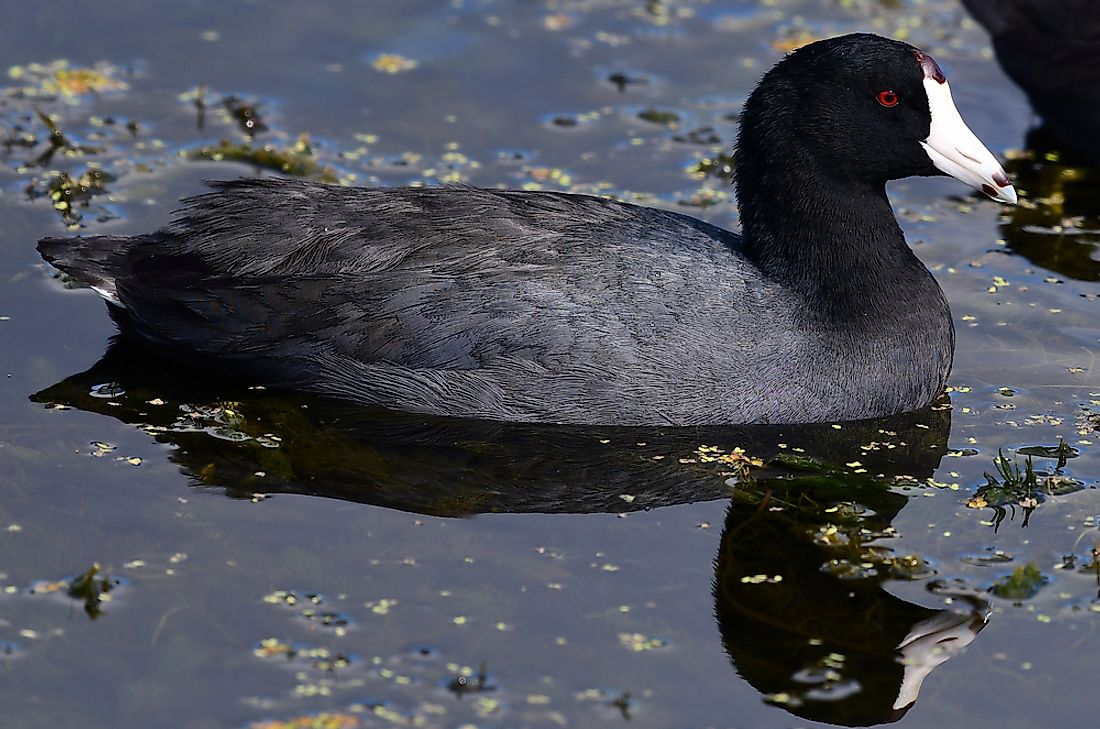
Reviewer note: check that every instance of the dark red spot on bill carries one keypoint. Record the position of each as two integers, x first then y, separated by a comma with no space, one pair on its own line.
988,190
930,67
1001,179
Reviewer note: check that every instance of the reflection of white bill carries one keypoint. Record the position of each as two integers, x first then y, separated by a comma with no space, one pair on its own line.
932,642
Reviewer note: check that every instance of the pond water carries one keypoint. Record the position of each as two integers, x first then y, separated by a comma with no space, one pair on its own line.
177,551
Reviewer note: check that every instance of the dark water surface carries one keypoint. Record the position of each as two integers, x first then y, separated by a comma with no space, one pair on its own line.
271,560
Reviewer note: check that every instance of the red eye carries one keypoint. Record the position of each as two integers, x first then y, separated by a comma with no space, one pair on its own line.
888,98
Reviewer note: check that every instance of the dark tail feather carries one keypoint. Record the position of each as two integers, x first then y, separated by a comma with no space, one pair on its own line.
96,261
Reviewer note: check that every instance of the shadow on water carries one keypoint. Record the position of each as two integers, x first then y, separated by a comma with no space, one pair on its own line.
798,587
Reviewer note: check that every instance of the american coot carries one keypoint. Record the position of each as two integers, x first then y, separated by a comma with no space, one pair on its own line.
548,307
1052,50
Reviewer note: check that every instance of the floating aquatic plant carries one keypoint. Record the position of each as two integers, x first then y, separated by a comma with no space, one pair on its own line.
476,683
393,63
91,589
1024,582
1010,486
71,191
44,81
660,116
297,160
720,166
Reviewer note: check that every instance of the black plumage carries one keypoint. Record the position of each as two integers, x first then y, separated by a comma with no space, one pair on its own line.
1052,51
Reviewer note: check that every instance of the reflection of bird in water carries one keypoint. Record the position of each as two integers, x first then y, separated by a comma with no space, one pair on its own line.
444,466
780,635
931,643
1052,51
801,607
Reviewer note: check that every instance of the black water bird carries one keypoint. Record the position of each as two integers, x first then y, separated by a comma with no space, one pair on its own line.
1052,51
550,307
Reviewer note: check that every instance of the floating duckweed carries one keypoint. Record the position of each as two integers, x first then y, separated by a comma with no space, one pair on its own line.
1024,582
323,720
289,597
58,79
705,136
638,642
711,454
761,579
68,191
909,567
793,40
326,618
101,449
572,121
782,698
47,588
705,197
91,589
269,647
77,81
558,21
393,63
382,606
658,116
297,160
845,569
549,174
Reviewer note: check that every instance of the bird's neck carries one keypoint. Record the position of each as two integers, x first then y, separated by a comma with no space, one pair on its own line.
833,239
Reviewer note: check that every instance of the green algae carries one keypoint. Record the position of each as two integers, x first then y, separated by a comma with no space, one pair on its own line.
1024,582
296,160
659,116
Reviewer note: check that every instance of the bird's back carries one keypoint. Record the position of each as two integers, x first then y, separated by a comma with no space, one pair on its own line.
498,304
506,305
